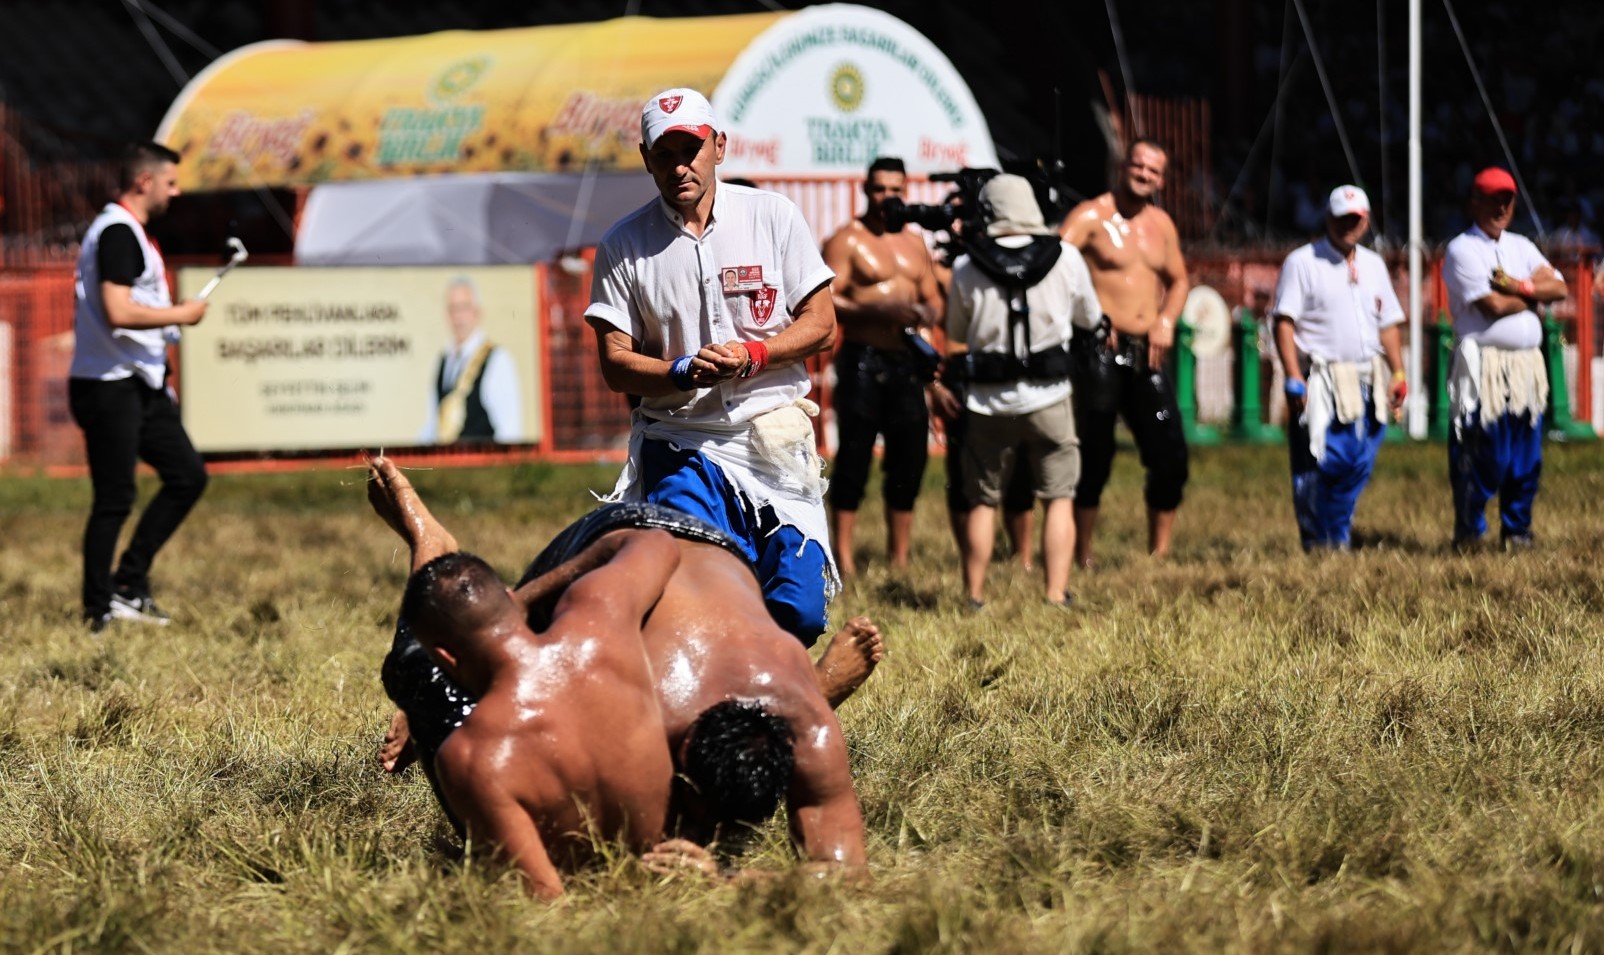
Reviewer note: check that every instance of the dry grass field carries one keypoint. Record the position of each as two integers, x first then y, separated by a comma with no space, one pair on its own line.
1241,749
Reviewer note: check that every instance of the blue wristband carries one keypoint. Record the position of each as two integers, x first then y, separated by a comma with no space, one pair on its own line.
1296,389
680,373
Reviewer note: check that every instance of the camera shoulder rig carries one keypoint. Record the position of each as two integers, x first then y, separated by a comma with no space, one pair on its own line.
1016,270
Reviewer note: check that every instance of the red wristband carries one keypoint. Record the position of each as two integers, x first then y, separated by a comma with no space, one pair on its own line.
1526,289
757,358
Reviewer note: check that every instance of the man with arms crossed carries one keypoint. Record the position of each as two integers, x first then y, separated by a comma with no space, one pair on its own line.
705,303
745,716
1498,389
885,288
1134,254
1336,317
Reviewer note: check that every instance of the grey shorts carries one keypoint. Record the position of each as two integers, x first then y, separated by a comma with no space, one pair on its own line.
1046,441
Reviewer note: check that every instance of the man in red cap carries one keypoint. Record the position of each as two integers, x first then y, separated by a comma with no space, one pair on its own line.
1498,388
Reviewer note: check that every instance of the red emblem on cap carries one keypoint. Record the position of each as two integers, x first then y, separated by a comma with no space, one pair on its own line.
1347,193
763,304
669,103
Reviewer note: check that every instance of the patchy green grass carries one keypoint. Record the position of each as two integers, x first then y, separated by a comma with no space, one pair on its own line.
1243,748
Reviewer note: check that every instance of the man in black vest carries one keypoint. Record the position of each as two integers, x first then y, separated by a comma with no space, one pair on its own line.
475,394
1015,297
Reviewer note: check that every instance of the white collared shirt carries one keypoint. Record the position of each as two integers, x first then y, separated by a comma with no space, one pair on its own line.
1337,313
1467,270
977,314
666,288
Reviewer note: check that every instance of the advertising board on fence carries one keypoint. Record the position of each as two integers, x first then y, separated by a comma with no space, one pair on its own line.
317,358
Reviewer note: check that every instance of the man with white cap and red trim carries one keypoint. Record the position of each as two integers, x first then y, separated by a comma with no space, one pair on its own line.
1498,389
705,303
1337,323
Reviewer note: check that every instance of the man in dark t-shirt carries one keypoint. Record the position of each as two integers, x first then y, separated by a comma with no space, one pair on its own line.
124,318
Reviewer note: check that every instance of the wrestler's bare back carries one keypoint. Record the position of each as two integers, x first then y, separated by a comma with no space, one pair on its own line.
574,736
1128,259
700,657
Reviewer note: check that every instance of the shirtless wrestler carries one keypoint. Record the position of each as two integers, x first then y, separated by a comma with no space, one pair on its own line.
746,716
564,744
1134,254
884,286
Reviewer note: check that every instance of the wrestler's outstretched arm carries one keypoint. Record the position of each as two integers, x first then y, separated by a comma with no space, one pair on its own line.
493,816
826,822
625,588
394,499
551,584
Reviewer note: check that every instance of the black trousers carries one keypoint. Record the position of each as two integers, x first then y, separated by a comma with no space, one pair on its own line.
126,421
878,393
1117,383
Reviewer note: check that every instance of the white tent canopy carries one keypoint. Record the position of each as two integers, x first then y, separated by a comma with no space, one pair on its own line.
490,219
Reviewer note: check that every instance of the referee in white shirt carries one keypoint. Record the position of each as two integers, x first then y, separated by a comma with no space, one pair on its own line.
706,302
123,319
1337,323
1498,389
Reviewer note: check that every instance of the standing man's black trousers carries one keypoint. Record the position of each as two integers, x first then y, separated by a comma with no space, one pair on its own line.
125,421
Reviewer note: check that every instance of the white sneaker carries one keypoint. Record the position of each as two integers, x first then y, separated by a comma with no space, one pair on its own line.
142,609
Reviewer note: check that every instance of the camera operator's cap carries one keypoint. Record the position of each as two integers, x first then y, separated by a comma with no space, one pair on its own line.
1348,201
1010,205
1493,180
681,109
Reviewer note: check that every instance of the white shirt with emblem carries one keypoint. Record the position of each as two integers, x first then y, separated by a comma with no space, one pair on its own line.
1337,313
673,292
1467,270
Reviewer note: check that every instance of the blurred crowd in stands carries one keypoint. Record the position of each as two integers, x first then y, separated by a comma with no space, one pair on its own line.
1537,69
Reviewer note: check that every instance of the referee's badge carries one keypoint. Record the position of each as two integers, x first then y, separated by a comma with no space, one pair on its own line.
763,304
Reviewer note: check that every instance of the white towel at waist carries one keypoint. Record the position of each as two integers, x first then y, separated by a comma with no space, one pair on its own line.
770,461
1337,392
1488,382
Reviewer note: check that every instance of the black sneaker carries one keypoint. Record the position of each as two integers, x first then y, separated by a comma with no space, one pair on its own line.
98,622
140,608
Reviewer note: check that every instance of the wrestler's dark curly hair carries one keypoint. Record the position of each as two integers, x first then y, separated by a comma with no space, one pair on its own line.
739,759
447,591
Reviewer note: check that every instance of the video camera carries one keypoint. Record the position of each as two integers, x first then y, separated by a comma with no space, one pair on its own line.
962,205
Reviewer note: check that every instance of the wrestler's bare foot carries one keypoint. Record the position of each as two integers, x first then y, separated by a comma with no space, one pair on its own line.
852,655
397,752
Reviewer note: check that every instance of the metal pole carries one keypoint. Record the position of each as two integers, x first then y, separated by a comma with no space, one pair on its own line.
1417,391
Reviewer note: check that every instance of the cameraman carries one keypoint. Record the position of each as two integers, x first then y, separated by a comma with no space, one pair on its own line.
885,290
1015,297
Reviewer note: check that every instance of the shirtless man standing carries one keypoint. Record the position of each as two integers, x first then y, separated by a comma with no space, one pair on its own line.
745,715
884,289
1134,254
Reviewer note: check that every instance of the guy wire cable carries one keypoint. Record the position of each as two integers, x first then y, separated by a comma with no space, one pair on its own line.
1492,114
141,17
1331,99
1124,68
